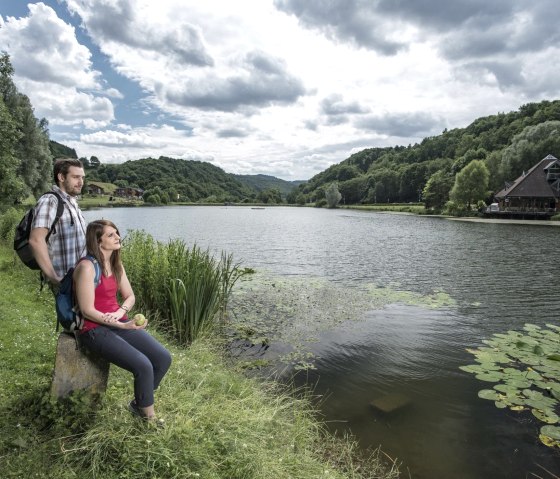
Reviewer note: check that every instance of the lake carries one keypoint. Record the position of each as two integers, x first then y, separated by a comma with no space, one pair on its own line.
493,278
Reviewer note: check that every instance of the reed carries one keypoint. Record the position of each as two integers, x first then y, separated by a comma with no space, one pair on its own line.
184,289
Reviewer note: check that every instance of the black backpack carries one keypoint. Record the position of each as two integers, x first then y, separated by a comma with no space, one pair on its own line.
23,230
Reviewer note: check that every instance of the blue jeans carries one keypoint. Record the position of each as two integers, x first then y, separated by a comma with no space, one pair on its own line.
134,350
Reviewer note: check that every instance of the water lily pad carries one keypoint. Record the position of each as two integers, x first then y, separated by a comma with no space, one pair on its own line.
489,394
491,377
548,441
526,369
547,416
507,388
551,431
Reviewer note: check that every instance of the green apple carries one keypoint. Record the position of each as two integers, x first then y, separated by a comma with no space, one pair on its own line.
139,319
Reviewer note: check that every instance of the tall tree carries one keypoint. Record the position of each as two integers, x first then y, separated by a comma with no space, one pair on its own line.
332,195
11,187
471,184
436,191
32,148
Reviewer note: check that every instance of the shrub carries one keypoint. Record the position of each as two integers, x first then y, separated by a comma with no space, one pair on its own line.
8,222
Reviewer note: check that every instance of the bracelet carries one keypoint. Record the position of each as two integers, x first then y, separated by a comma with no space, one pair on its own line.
125,308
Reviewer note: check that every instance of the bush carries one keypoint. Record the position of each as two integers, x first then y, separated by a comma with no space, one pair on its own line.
555,217
8,222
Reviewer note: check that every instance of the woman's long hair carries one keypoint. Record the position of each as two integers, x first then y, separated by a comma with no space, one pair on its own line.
93,238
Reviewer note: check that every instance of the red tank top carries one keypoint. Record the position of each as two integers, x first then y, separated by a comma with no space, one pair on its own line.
105,300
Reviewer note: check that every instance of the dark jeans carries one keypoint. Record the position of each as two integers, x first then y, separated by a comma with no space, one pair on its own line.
134,350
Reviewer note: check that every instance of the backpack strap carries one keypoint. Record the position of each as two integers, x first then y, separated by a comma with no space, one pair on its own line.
59,212
96,281
96,267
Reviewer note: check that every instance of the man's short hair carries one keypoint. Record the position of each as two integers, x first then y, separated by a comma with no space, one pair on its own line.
62,165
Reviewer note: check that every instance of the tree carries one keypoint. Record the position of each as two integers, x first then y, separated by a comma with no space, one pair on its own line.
386,185
332,195
471,184
353,191
530,146
94,162
11,186
32,147
436,191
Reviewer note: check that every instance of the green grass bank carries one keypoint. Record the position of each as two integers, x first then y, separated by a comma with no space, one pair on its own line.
220,424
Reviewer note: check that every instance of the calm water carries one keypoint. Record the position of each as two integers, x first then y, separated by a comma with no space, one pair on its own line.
501,276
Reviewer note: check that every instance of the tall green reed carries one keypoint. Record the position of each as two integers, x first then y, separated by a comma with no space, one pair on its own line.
184,289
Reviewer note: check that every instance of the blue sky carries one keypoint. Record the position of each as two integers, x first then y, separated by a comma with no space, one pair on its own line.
278,87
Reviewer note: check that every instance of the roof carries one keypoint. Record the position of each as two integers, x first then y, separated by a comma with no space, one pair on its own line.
534,183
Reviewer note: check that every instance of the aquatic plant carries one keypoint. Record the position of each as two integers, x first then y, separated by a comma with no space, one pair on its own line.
526,369
294,311
184,289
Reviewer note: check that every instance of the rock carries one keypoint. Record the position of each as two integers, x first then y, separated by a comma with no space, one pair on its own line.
77,369
390,403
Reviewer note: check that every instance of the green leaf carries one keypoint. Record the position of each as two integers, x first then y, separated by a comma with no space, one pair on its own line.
551,431
548,416
489,394
492,376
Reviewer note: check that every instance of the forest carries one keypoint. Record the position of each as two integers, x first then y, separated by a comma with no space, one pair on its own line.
458,169
496,148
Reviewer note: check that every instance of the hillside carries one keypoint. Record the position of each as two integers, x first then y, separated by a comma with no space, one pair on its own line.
171,178
266,182
508,144
59,150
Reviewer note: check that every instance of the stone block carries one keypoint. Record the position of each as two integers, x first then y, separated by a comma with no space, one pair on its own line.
77,369
390,403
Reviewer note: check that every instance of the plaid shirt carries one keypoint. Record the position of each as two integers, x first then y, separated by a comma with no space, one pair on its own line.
67,244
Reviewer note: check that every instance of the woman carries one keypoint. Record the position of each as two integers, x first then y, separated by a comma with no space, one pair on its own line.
107,330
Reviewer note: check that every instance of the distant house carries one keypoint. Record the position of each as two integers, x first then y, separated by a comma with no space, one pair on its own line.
131,193
95,189
536,191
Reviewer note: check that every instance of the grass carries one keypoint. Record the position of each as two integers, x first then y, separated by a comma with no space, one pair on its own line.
220,424
416,208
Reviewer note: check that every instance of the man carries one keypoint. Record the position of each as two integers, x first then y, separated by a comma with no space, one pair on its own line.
67,243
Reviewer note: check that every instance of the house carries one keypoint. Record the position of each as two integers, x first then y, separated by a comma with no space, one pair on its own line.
94,189
536,193
131,193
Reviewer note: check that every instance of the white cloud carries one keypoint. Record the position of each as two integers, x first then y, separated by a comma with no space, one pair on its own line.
283,87
44,49
53,68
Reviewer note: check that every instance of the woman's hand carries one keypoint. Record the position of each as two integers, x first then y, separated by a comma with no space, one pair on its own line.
130,324
110,318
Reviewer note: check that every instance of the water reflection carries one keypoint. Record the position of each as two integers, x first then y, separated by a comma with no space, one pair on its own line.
500,275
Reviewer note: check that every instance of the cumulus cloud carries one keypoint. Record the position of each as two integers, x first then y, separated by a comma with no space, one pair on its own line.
400,125
263,81
43,48
463,31
335,105
232,133
121,21
351,21
114,138
67,106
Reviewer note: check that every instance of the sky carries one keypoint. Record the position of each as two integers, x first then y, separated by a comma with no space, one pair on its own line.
277,87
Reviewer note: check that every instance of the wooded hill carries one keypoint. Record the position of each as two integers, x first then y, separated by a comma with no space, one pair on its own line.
172,178
507,143
267,182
